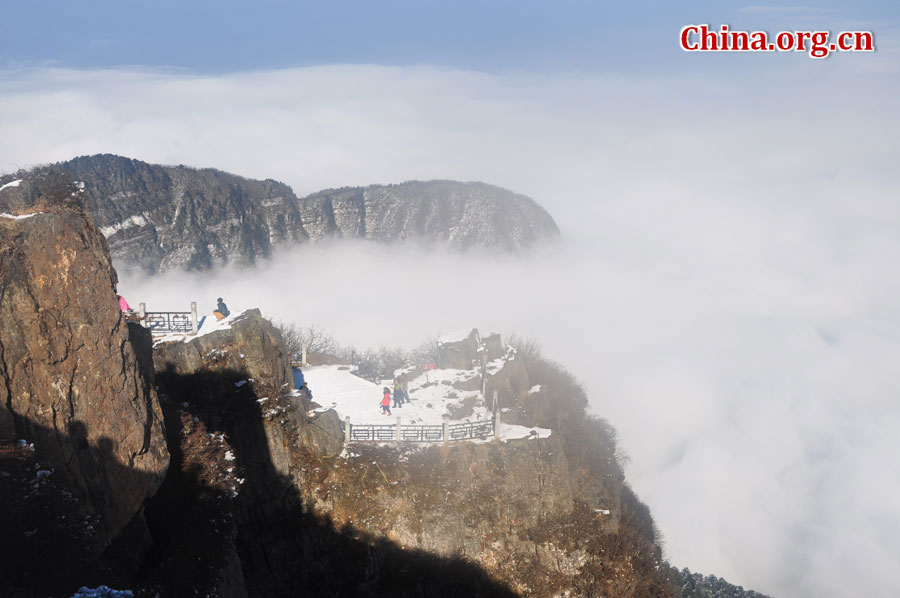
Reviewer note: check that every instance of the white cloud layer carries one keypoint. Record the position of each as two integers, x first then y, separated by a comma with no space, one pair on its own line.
727,285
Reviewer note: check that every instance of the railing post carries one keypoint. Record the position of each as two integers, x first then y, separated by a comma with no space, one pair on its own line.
303,354
483,375
194,317
398,429
496,415
142,313
446,432
347,429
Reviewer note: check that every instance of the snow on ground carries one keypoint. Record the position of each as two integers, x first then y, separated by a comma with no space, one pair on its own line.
409,370
454,336
494,366
14,217
534,389
431,393
317,410
208,324
512,431
353,396
102,592
11,184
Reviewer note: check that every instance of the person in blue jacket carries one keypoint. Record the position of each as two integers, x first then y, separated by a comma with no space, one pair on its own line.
221,310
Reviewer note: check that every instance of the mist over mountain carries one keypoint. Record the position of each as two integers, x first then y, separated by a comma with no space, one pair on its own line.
203,471
158,472
157,218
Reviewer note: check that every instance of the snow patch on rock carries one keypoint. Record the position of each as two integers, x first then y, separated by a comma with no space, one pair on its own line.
14,183
454,336
135,220
19,217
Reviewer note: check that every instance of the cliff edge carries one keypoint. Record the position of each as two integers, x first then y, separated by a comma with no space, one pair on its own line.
75,403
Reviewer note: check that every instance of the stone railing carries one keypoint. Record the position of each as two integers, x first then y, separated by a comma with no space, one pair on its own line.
169,321
399,432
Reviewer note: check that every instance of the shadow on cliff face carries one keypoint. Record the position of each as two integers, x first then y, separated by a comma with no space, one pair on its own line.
227,522
51,527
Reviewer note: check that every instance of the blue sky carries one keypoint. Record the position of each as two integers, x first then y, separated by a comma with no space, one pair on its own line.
503,35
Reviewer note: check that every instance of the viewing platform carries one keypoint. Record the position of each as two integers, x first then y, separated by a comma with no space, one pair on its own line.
164,322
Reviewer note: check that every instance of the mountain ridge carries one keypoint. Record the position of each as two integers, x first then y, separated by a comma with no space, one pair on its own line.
157,218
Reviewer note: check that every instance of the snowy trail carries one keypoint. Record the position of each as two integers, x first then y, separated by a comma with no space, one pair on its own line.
432,397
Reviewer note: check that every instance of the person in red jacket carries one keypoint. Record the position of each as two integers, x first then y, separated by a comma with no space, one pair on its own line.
386,402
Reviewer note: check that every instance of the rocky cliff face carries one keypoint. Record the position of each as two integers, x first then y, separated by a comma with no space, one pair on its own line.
546,516
236,516
535,516
461,214
162,217
71,385
211,369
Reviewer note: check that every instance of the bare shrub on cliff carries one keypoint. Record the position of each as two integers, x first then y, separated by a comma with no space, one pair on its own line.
376,364
425,352
315,339
529,349
381,363
591,442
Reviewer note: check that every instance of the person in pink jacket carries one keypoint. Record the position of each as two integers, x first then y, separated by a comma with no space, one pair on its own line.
123,305
386,402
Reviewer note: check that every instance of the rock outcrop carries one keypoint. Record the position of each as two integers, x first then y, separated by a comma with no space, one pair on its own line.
458,350
162,217
249,352
249,459
71,384
540,516
461,214
249,345
546,516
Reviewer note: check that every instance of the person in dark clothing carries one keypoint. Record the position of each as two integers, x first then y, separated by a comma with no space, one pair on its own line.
404,386
400,397
221,310
299,379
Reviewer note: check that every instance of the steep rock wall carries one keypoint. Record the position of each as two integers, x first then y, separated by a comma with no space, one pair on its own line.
162,217
70,380
242,443
538,516
251,352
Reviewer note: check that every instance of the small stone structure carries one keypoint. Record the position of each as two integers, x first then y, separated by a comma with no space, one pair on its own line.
458,350
493,346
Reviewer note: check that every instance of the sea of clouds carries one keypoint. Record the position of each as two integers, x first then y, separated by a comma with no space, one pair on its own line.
726,284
